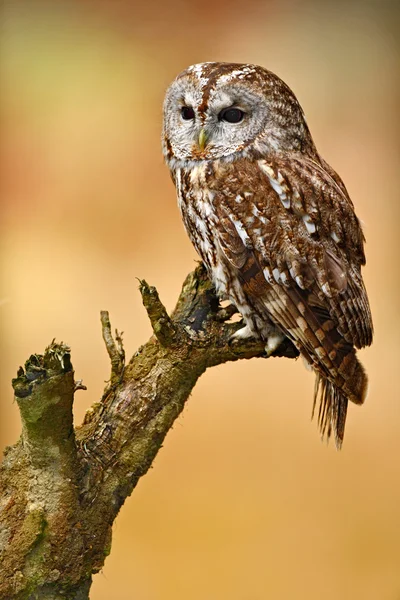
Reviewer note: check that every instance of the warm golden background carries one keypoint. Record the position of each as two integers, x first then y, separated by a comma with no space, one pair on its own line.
243,502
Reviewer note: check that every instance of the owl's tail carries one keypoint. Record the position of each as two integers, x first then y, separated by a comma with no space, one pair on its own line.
351,384
340,376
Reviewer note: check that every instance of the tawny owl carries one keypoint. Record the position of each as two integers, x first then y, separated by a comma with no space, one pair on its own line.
272,222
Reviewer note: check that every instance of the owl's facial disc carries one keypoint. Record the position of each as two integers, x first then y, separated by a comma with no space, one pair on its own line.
223,110
203,127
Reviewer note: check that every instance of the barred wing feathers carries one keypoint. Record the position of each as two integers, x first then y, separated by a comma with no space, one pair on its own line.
289,231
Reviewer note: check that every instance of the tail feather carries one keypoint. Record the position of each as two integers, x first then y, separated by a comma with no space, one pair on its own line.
332,409
340,376
333,401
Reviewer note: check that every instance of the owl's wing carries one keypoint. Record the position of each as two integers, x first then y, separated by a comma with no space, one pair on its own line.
289,232
297,229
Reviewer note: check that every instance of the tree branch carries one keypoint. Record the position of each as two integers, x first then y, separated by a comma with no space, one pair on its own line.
115,350
162,325
89,473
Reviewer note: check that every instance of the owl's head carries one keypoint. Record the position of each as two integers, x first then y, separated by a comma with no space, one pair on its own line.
227,110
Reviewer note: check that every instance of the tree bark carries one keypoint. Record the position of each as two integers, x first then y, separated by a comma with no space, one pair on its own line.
61,488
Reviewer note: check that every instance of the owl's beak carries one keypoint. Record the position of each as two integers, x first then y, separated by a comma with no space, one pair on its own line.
202,139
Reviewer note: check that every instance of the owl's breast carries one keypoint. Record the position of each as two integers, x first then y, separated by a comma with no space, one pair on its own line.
195,201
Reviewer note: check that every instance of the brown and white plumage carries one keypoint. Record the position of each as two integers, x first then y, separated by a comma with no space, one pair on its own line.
272,222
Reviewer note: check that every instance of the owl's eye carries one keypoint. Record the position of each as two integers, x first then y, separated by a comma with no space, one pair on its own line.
187,113
231,115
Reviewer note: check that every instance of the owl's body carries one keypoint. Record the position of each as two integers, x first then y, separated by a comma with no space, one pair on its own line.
272,222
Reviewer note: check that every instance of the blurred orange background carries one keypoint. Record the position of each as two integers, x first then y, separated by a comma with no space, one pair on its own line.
243,501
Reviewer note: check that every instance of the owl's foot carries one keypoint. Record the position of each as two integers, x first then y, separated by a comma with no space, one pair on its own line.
274,340
226,312
243,333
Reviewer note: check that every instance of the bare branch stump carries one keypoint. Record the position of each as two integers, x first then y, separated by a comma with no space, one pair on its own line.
60,488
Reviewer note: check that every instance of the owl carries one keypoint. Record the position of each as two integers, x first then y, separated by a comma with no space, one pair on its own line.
272,222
